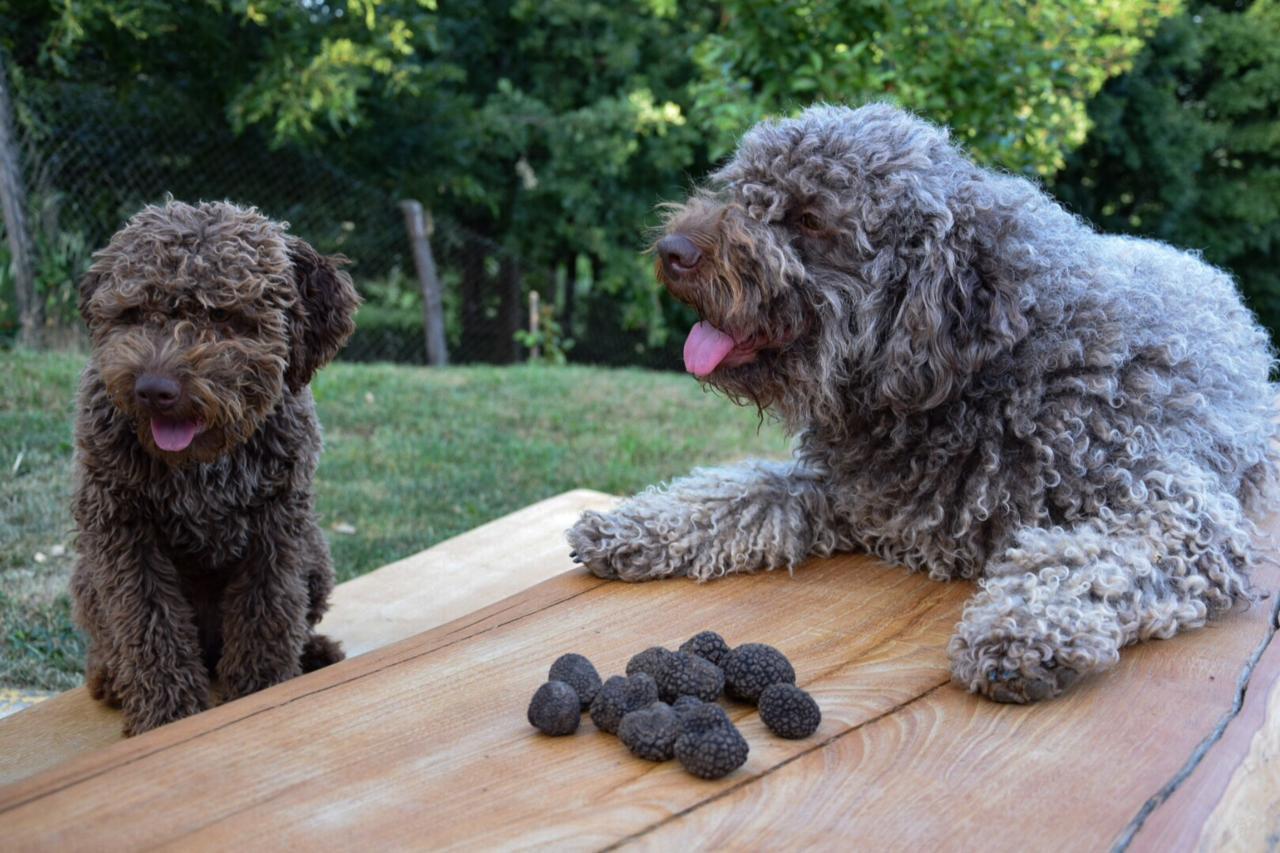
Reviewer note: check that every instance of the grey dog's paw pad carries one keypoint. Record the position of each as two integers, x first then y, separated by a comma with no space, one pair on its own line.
614,547
1014,687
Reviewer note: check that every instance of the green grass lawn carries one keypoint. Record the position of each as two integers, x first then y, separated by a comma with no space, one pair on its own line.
412,456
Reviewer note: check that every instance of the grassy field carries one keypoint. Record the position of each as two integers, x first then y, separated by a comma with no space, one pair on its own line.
413,456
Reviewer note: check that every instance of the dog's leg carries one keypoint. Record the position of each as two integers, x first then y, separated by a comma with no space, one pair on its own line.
319,651
87,613
264,607
757,515
145,652
319,566
1061,603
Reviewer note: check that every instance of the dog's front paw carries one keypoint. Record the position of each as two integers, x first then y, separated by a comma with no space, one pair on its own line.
157,707
1021,687
100,684
320,651
238,678
1012,671
615,546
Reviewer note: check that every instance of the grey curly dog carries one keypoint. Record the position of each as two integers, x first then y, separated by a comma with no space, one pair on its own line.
196,444
981,386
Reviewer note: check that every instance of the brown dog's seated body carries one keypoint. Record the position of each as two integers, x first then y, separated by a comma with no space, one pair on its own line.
197,442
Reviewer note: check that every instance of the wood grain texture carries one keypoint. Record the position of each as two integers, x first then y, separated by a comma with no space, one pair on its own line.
459,575
949,770
425,742
1248,815
1230,800
432,587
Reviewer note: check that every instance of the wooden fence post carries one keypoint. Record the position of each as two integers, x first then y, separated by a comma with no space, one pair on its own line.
535,351
13,200
416,222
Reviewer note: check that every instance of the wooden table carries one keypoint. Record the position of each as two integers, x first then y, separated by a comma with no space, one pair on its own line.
424,742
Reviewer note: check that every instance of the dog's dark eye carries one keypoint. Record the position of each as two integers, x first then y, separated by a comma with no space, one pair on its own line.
129,317
810,222
219,315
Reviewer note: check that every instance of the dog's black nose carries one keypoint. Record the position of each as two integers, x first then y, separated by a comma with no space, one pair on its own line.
157,392
679,256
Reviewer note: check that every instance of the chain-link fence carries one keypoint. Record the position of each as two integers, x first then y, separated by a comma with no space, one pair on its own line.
91,158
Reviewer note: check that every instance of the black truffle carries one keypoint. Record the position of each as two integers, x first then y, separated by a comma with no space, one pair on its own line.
651,732
684,704
577,672
752,667
689,675
702,717
788,711
709,645
555,709
709,746
652,660
620,696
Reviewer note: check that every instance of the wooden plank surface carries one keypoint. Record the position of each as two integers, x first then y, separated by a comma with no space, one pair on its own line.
455,577
458,576
425,742
1231,800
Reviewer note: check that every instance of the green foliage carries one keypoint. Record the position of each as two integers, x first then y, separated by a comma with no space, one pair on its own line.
1012,79
577,131
294,67
60,257
325,62
549,341
387,333
550,130
1186,147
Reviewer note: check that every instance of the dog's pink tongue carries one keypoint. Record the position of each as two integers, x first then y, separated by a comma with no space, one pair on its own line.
705,348
173,435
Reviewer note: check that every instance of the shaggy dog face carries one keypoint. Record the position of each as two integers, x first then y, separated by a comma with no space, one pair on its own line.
840,261
200,316
197,442
980,385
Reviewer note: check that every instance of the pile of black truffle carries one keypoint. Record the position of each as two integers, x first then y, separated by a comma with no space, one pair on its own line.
665,706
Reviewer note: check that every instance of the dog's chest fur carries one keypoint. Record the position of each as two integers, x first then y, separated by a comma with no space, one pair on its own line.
207,512
204,515
937,500
210,512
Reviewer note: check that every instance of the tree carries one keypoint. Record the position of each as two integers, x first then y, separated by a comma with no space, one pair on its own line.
549,131
1011,79
1186,146
13,200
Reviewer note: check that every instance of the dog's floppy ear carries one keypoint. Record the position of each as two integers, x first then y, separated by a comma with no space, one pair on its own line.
88,286
323,316
957,311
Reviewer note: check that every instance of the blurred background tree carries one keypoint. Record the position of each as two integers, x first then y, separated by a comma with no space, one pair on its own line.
1186,146
1011,79
543,134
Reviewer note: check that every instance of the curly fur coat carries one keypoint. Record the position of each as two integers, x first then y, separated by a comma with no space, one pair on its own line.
981,386
196,445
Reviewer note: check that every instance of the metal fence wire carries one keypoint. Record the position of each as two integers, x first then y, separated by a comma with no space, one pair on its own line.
92,158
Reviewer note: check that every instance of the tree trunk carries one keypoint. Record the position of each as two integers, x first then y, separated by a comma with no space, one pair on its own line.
13,200
476,335
423,261
567,276
510,311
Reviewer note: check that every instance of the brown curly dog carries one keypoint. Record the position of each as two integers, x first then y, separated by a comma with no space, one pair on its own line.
197,441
